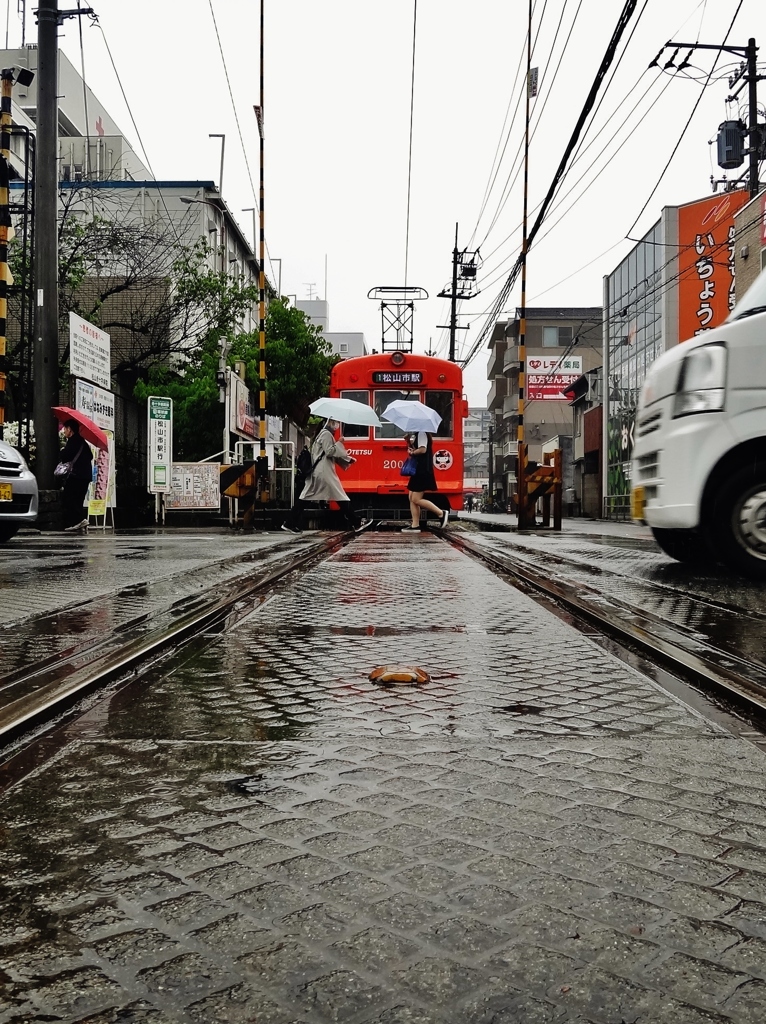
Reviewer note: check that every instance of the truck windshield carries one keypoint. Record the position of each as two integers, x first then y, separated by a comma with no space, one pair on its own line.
753,301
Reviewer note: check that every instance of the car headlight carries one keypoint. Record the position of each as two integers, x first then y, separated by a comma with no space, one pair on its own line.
702,381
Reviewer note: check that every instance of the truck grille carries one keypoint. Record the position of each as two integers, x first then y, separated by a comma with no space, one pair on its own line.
649,466
648,424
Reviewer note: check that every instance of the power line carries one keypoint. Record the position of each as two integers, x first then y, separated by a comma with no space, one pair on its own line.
606,62
689,120
409,162
231,97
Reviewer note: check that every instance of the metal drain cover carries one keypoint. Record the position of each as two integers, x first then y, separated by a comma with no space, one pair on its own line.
398,675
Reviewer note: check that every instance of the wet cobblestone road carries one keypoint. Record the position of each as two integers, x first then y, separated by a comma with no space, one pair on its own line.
540,834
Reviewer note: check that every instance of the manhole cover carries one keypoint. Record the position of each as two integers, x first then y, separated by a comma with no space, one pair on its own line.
398,675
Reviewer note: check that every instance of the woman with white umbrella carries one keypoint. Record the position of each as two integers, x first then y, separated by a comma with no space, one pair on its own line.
413,415
423,481
323,483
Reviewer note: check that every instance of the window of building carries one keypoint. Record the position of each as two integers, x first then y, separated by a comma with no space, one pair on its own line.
557,337
343,346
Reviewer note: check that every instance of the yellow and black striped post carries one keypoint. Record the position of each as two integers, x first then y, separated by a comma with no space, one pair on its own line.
6,90
523,521
263,462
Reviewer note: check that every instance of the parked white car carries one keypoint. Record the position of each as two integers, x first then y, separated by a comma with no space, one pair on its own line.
699,458
18,492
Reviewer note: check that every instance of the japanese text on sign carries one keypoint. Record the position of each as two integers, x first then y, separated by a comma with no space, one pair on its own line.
160,454
706,262
89,352
386,377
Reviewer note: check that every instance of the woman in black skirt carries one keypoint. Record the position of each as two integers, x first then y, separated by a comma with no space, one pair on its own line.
423,480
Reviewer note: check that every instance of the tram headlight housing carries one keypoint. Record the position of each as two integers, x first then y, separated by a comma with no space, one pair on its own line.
701,381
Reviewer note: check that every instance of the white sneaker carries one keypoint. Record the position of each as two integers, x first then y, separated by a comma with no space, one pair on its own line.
364,524
289,529
445,518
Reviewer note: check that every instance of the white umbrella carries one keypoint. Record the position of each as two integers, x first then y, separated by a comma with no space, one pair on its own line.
345,410
412,416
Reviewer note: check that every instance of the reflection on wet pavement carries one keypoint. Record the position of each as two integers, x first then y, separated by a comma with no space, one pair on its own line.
259,833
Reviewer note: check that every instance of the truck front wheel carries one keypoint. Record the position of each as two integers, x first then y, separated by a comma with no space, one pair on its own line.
739,521
683,545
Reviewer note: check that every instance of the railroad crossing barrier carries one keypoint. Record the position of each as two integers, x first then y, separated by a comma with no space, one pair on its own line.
537,482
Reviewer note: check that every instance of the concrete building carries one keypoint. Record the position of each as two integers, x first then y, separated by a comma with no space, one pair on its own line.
345,344
476,449
587,460
91,144
750,242
676,283
561,344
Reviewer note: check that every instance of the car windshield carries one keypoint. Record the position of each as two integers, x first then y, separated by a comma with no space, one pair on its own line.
753,301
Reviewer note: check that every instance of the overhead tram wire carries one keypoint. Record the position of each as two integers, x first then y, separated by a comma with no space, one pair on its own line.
606,62
581,153
537,116
496,169
409,161
689,120
577,157
517,163
236,117
95,20
493,171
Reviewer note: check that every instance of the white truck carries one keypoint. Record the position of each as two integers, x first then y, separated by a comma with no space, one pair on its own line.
699,458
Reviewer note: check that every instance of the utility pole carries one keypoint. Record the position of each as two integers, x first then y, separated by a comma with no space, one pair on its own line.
523,518
262,463
465,265
747,72
46,349
752,114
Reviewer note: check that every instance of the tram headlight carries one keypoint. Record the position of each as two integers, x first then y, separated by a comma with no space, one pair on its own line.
701,381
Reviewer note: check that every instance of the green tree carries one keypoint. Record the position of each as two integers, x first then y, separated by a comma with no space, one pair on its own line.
298,361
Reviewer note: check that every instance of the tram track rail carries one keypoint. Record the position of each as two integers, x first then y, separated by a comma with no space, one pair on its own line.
53,686
693,659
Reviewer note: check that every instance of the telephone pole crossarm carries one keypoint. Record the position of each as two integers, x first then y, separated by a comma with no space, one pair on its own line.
465,266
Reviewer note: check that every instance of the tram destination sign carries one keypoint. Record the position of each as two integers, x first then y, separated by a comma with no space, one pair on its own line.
397,377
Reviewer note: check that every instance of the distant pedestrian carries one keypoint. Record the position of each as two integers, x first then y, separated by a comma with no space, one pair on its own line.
421,447
323,483
469,503
77,455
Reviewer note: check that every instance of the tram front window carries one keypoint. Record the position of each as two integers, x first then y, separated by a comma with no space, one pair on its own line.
354,429
441,402
382,401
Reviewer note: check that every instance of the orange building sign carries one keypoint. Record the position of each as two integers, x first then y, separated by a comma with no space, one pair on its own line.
706,262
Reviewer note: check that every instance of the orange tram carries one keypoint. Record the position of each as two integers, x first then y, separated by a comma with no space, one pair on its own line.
374,482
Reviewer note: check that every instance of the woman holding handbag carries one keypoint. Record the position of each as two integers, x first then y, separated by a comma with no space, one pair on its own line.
323,484
77,456
420,448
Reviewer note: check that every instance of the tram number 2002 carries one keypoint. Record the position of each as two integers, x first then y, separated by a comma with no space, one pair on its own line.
393,463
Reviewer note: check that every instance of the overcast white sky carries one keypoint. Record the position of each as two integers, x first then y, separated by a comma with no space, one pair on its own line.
337,111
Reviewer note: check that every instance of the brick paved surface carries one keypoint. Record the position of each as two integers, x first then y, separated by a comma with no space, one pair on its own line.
262,835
